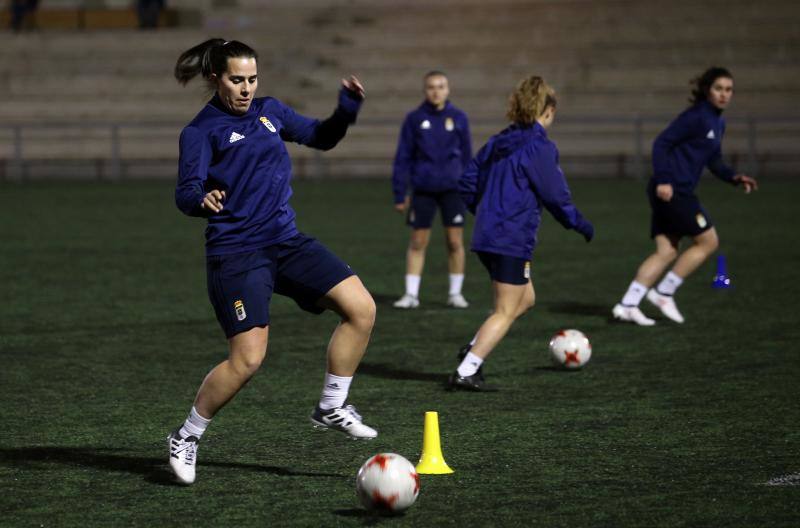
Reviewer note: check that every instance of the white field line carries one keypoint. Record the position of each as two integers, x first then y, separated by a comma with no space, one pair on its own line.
784,480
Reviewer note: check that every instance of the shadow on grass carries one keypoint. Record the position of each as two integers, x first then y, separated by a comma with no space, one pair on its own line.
382,370
560,370
579,308
368,519
106,459
384,299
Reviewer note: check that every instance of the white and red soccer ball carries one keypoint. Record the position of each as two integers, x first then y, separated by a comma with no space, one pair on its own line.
387,483
570,349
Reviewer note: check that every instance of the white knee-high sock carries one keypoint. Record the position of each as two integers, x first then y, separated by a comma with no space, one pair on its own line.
634,294
669,284
334,392
195,425
412,285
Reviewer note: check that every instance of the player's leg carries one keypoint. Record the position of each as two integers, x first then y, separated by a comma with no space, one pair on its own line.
662,296
420,218
510,302
454,237
704,245
453,214
415,263
513,296
240,289
318,280
247,352
356,308
649,271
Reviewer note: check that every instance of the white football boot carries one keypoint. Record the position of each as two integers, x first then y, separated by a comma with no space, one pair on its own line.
457,301
406,301
666,304
631,314
182,456
345,419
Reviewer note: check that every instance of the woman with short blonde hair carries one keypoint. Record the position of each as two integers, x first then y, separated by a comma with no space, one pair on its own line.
513,177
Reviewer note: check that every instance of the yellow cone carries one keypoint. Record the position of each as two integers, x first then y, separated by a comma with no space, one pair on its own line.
432,461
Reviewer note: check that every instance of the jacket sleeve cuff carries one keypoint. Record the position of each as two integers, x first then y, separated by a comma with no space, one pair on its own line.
662,179
349,104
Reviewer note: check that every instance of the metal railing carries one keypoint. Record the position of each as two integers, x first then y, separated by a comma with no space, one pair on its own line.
629,152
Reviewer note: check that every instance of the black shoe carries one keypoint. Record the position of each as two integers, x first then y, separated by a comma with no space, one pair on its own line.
462,353
474,383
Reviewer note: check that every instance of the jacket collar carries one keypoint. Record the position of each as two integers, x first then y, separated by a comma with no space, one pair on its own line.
431,109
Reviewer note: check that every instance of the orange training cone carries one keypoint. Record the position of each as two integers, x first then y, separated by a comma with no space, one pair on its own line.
431,462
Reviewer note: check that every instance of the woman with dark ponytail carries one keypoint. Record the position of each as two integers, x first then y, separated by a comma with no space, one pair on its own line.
690,143
234,170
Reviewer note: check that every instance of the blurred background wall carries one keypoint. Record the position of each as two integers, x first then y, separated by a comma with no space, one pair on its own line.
86,93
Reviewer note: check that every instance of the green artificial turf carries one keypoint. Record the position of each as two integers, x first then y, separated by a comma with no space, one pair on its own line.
106,333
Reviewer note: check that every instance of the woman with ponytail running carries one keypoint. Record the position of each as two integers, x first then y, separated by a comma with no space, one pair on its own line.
234,170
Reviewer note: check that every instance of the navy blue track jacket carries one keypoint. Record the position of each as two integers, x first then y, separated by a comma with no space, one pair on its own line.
245,156
512,177
433,150
692,141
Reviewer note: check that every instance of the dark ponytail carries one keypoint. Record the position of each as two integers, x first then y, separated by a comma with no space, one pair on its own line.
210,57
702,84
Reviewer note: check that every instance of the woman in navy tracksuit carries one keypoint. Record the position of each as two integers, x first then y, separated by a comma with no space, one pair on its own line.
434,149
690,143
511,179
235,171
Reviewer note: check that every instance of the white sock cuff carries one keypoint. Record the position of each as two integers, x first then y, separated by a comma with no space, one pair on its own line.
334,392
412,285
635,294
197,419
669,284
195,425
456,282
469,365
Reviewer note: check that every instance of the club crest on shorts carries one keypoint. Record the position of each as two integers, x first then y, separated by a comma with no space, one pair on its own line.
449,125
238,307
267,123
701,220
527,272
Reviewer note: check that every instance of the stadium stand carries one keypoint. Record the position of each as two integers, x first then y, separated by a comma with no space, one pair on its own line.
97,102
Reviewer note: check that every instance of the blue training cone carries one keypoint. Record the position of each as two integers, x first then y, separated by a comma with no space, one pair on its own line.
721,279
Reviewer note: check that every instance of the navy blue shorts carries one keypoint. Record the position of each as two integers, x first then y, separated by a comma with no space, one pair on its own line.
424,204
502,268
682,215
240,286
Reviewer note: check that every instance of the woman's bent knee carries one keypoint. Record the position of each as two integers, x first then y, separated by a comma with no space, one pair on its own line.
361,313
247,364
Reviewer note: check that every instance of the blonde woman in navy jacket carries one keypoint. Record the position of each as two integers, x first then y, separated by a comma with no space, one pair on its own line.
692,142
511,180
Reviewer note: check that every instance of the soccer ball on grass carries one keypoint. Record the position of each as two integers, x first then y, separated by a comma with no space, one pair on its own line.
387,483
570,349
